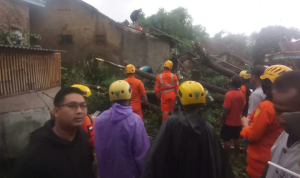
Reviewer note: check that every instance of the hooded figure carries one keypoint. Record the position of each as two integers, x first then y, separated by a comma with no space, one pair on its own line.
186,145
121,141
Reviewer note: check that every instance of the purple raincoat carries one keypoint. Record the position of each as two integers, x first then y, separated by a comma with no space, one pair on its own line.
121,143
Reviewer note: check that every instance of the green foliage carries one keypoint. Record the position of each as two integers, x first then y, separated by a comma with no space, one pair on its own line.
96,73
266,41
177,23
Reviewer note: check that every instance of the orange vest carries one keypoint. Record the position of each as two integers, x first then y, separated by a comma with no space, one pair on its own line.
88,126
165,83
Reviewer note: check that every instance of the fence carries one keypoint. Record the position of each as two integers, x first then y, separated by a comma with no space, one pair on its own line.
25,71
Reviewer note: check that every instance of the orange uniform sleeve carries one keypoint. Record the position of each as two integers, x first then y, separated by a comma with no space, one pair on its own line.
176,83
258,125
244,90
142,88
157,87
227,102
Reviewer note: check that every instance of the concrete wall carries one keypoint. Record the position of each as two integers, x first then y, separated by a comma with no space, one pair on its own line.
143,50
19,116
14,14
84,22
69,17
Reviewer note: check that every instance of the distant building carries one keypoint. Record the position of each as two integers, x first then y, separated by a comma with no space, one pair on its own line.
228,54
83,31
289,54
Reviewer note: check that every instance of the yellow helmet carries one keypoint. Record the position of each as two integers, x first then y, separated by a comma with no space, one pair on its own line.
168,64
119,90
191,92
86,90
130,69
244,74
274,71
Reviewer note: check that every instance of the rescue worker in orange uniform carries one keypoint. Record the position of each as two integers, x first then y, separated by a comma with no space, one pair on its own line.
88,124
138,90
166,87
264,129
247,88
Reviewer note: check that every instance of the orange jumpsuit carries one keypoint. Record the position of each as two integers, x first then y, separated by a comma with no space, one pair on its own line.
166,87
262,133
137,89
88,126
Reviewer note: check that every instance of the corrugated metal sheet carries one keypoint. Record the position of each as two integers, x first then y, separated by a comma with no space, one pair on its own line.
28,48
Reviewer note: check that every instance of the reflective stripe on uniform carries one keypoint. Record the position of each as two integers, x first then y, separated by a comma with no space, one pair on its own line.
166,91
165,113
166,85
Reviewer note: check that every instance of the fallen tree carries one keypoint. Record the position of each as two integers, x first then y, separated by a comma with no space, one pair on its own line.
207,62
153,77
209,86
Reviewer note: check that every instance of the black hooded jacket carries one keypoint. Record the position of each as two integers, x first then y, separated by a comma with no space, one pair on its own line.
186,147
49,156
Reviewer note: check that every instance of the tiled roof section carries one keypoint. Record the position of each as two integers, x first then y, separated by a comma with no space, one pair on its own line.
28,48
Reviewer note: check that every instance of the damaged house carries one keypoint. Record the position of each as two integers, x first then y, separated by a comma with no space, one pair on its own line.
82,31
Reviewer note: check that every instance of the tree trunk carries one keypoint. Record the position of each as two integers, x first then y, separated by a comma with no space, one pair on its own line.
207,62
209,86
153,77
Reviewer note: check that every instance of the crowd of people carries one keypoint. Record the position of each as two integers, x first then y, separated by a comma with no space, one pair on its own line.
262,107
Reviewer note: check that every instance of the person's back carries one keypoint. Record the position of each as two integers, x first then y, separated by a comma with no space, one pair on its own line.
186,146
235,103
121,142
137,89
118,145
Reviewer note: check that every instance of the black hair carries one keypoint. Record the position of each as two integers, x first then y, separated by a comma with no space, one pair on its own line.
258,70
196,75
286,81
60,95
266,85
236,81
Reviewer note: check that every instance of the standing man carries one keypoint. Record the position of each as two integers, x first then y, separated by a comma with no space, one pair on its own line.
285,152
60,148
264,129
186,145
258,95
121,141
175,63
247,88
137,89
166,87
88,124
134,17
231,118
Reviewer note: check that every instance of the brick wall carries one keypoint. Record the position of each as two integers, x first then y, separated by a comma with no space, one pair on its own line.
14,13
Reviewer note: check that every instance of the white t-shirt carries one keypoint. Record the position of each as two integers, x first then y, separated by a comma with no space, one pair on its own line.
255,98
284,157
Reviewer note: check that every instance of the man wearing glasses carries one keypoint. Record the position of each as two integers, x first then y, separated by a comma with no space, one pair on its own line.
60,148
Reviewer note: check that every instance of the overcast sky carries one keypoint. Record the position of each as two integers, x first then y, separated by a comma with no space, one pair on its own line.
235,16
